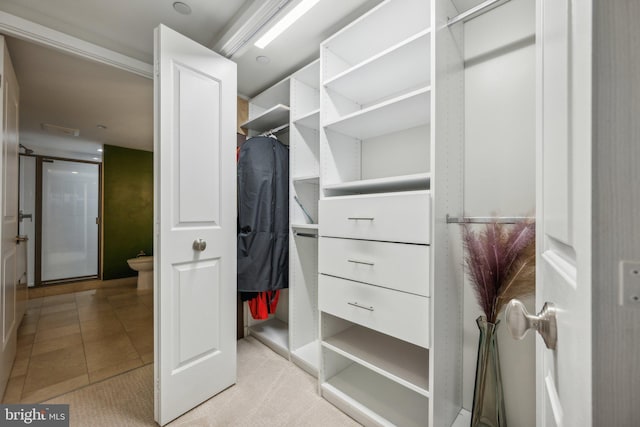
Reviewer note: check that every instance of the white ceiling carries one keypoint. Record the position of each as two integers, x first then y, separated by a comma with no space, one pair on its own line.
68,91
64,90
126,26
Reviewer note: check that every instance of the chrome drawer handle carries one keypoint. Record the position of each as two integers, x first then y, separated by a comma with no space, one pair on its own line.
355,261
355,304
360,218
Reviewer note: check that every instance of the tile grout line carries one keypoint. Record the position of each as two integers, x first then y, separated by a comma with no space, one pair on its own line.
33,343
84,349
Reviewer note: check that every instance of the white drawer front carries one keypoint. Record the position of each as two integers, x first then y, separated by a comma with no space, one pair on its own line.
398,217
391,265
394,313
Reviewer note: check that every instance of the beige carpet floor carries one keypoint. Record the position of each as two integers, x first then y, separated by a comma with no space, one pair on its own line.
270,391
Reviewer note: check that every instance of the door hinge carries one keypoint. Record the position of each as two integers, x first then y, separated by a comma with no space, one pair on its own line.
156,68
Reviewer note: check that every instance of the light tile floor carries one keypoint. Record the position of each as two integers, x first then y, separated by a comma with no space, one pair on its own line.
69,340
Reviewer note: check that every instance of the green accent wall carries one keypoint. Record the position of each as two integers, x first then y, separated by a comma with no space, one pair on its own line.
127,208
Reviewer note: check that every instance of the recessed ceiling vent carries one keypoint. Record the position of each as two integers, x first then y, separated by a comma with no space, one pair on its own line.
60,130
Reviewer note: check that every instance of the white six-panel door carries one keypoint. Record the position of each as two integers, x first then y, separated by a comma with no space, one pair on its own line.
563,386
195,199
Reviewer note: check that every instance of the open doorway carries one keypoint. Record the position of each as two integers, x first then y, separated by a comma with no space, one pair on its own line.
84,329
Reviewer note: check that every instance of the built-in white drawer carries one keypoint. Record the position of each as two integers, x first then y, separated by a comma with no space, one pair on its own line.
398,266
401,315
394,217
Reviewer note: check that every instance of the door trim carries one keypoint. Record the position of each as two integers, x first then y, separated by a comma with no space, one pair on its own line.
15,26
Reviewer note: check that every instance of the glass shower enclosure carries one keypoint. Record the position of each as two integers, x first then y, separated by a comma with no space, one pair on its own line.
69,228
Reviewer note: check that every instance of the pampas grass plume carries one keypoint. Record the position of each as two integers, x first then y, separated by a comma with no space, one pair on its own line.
500,261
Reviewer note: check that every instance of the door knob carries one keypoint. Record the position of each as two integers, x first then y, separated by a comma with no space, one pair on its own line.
519,321
199,245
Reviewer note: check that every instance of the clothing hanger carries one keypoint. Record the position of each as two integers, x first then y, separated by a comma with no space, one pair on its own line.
272,132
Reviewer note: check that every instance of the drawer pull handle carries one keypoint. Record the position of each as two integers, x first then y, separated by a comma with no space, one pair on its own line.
355,261
360,218
355,304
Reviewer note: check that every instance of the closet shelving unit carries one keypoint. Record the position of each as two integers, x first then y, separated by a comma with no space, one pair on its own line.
293,330
267,111
303,243
390,157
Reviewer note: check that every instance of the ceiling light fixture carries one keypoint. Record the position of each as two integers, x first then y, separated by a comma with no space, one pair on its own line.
182,8
95,158
253,18
303,7
74,172
262,59
99,150
59,129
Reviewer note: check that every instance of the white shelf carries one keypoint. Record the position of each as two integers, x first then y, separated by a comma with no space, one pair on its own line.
309,75
380,399
306,227
306,179
361,83
382,27
310,120
274,333
419,181
308,357
275,116
276,94
403,112
397,360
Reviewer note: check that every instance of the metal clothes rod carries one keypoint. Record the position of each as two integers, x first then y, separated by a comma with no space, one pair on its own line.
476,11
313,236
487,219
275,130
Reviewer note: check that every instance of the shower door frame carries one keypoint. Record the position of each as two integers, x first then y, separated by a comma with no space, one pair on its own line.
37,282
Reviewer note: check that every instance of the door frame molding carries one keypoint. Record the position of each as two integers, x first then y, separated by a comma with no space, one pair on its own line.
23,29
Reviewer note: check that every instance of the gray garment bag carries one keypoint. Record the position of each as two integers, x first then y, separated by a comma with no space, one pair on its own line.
263,215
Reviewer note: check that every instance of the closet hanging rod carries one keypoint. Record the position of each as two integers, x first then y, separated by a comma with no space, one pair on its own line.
275,130
488,219
476,11
313,236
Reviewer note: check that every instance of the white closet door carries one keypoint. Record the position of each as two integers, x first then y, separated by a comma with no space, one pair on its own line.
195,216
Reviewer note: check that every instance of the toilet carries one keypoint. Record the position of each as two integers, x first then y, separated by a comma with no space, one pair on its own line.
144,266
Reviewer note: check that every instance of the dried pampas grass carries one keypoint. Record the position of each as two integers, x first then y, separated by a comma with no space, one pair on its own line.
500,261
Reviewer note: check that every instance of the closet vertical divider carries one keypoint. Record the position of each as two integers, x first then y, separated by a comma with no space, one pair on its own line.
447,166
303,216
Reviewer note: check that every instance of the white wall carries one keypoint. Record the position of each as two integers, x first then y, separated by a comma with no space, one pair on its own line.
500,172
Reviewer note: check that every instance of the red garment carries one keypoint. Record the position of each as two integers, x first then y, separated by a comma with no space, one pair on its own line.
264,304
